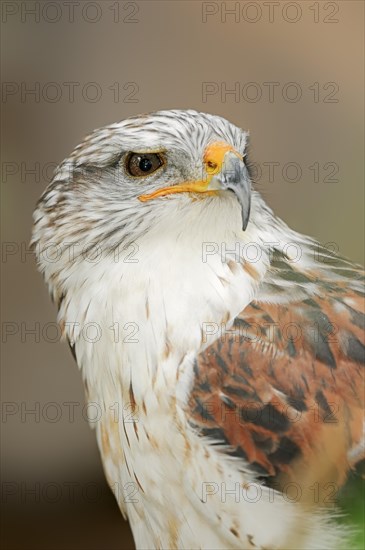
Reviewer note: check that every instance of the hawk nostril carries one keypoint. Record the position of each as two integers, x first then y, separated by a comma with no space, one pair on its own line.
211,165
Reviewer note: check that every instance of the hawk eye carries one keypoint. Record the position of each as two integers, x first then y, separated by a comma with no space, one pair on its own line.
143,164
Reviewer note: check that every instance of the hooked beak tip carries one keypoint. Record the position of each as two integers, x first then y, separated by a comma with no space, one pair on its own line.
245,222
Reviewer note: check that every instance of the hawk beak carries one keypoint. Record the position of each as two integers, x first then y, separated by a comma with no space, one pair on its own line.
234,177
225,170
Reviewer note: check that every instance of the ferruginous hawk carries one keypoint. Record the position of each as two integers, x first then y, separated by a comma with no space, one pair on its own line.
224,350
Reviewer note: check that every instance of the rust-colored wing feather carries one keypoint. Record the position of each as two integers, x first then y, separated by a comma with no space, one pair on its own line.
284,387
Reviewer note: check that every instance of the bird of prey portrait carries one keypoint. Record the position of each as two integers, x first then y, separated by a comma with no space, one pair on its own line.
224,351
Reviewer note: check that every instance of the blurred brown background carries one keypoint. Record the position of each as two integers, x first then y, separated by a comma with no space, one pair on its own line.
93,63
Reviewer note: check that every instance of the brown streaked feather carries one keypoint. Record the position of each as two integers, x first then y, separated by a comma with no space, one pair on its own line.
284,387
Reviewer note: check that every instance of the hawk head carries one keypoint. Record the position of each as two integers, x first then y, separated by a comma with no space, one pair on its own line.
124,178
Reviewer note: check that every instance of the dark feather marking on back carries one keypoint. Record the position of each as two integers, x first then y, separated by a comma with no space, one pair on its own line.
263,442
240,323
201,410
291,348
228,401
349,273
303,377
324,354
246,368
323,403
240,379
221,363
357,317
297,404
311,303
288,273
205,386
286,452
267,417
356,350
239,392
321,350
216,434
196,369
